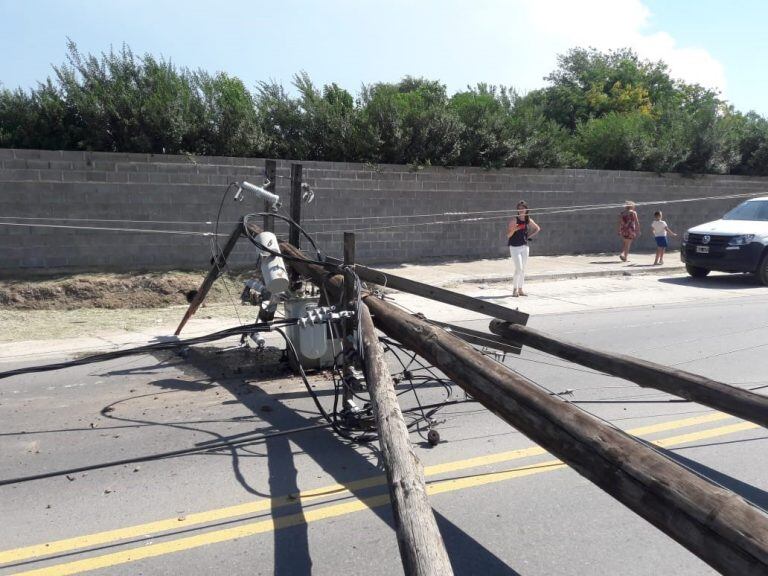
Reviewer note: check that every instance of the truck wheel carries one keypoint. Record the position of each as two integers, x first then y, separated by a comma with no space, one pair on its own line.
696,271
762,270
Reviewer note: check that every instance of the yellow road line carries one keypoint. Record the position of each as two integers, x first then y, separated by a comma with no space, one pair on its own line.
704,434
335,510
676,424
210,516
209,538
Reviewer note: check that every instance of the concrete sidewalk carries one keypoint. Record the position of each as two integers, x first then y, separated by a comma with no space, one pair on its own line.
539,268
450,274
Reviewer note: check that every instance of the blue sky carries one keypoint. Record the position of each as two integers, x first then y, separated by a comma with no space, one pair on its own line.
351,42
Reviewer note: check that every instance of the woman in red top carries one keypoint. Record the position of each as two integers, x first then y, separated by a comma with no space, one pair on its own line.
629,228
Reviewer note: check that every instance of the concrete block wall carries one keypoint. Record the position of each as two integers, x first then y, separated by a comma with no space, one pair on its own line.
399,215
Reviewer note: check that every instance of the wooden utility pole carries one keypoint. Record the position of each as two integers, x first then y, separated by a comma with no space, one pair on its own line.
294,236
421,546
737,401
218,263
422,549
440,295
478,338
715,524
349,261
348,326
270,172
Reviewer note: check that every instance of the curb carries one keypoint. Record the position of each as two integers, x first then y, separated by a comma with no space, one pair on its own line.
565,275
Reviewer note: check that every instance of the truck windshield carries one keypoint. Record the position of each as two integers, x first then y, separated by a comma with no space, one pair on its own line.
750,210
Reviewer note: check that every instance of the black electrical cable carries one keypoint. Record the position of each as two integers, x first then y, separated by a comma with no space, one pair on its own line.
198,449
320,261
159,346
157,456
444,382
263,248
218,217
412,379
292,222
360,438
412,386
332,419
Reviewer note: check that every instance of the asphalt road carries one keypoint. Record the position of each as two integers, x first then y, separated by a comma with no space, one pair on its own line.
308,501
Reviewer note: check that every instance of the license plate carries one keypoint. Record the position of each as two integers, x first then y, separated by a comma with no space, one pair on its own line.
702,249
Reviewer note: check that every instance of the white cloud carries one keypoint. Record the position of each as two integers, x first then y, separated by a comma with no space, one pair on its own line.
688,63
610,24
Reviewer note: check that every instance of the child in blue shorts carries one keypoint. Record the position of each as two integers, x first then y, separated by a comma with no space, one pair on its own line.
660,230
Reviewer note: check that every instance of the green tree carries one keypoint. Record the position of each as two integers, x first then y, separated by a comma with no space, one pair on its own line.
708,131
281,121
484,115
753,146
411,122
538,141
616,141
333,127
17,119
118,102
34,120
590,84
223,119
609,110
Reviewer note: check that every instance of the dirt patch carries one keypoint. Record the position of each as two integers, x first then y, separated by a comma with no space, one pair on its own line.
112,291
106,324
270,363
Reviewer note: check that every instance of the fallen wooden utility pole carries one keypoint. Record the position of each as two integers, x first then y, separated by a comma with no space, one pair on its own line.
737,401
476,337
371,275
422,549
421,546
715,524
388,280
218,262
720,527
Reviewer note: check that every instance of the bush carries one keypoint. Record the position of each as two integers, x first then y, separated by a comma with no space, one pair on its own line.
616,141
608,110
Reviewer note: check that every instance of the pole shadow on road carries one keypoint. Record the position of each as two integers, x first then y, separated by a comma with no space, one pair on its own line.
753,494
340,461
291,544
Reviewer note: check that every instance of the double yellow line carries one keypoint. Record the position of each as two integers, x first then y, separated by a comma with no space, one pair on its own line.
144,531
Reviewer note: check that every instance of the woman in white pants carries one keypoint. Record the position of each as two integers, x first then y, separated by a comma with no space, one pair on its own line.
520,229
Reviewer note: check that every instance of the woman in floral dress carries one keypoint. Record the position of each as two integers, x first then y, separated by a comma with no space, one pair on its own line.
629,228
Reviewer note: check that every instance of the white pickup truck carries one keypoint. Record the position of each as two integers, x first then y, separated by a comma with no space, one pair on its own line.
738,242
